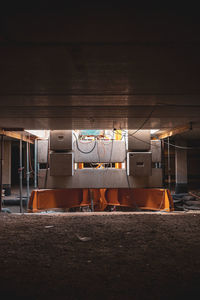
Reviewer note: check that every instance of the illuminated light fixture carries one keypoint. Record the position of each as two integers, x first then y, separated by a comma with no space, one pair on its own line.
152,131
42,134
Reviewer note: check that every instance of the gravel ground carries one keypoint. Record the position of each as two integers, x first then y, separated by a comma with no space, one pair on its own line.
100,256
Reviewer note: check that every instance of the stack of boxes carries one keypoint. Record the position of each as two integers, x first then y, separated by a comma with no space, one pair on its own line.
61,154
139,158
144,158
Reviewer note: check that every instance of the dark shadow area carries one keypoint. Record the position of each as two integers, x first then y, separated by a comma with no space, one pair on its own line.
111,256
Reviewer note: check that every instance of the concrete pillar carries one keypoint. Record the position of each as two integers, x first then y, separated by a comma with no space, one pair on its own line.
1,169
7,167
181,167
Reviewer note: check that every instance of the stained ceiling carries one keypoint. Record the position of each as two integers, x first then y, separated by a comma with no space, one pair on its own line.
99,67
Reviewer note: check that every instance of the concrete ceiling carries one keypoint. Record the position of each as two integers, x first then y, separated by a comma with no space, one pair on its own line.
99,68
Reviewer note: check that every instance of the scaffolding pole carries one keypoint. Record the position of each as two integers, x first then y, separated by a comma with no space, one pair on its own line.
169,166
92,199
35,165
20,174
27,172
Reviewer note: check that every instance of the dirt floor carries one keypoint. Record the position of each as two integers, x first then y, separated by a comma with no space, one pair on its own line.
100,256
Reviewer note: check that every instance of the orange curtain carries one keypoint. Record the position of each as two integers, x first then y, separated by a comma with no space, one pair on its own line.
149,199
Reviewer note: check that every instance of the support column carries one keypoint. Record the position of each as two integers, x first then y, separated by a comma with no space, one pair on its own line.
20,174
27,172
1,170
7,168
181,167
35,164
169,164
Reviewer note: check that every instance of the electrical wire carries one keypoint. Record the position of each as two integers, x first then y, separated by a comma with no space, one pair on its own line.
85,141
96,145
111,151
173,145
98,153
181,147
145,121
104,150
84,152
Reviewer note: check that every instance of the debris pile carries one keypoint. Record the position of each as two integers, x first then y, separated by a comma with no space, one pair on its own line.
186,202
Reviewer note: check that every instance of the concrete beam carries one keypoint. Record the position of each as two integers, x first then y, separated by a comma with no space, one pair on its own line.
99,178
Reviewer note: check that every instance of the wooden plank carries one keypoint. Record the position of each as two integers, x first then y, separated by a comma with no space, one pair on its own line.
174,131
17,136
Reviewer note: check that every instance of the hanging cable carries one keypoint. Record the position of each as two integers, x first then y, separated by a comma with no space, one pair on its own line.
173,145
145,121
111,151
84,152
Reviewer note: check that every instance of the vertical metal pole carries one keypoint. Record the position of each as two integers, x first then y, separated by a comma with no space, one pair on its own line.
20,174
35,165
169,166
92,200
27,171
1,171
162,165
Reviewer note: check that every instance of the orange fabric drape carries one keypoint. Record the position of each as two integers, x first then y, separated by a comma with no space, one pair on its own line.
149,199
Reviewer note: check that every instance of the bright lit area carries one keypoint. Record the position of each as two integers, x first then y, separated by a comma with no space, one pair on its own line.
101,169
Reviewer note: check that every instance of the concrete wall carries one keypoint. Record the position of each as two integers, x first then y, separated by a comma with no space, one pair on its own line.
99,178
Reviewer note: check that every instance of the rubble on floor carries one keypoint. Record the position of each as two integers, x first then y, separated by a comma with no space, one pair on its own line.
186,201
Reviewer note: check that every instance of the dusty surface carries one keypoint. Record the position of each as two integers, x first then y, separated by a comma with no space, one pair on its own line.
100,256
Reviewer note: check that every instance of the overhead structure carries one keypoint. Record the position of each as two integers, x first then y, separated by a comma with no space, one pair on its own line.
17,135
174,131
76,66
